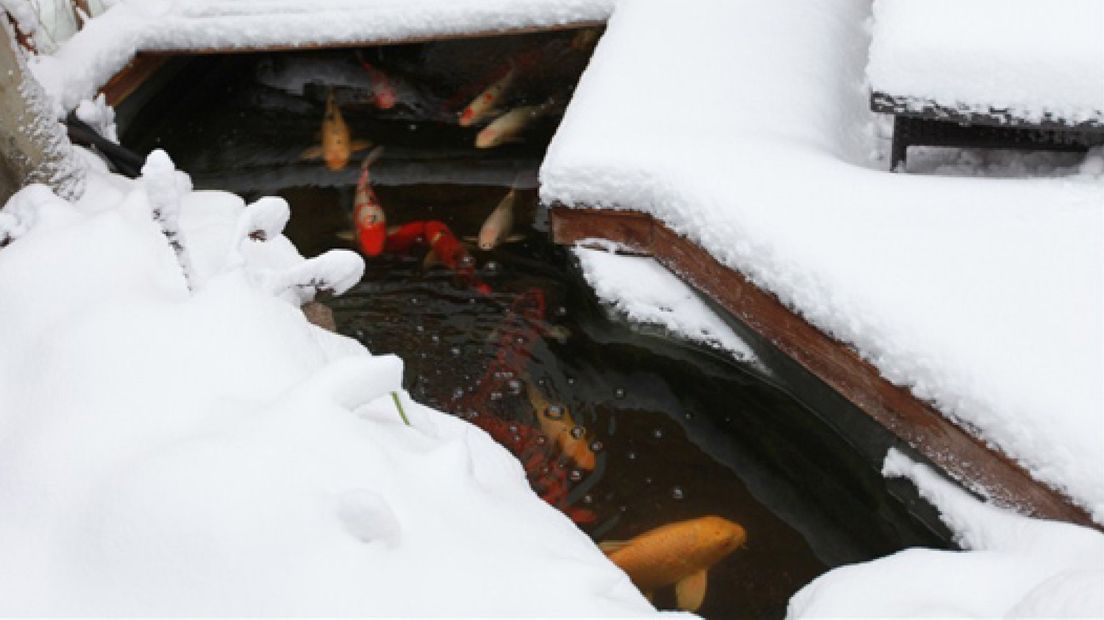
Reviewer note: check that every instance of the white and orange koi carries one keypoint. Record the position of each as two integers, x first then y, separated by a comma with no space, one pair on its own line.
507,127
556,423
368,215
483,104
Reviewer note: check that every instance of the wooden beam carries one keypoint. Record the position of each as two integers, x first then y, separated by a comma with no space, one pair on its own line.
955,450
126,81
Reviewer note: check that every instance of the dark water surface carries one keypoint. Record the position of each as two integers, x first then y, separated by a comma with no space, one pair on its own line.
679,430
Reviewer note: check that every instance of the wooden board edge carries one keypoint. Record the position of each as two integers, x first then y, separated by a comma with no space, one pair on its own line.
955,450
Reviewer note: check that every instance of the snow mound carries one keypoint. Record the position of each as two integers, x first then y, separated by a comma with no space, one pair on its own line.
645,292
209,452
1013,566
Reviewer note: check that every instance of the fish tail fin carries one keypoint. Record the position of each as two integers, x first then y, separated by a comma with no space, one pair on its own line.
372,157
690,590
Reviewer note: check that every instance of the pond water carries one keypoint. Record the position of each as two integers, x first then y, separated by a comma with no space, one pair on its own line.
677,430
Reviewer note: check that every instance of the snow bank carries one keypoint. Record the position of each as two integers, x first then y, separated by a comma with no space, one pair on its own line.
211,453
982,295
105,45
645,292
1029,57
1012,566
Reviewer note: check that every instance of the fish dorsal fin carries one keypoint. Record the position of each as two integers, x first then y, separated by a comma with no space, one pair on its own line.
690,590
347,235
609,546
313,152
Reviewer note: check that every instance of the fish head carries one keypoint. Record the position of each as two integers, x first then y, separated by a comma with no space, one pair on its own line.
488,138
719,535
488,236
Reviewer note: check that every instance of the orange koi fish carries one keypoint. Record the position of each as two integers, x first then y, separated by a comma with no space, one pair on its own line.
482,105
337,145
556,423
678,554
368,216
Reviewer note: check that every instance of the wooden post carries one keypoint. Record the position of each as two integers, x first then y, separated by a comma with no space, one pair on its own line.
33,145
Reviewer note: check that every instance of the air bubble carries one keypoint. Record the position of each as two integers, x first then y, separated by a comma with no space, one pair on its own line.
571,380
457,393
575,475
513,386
496,395
560,311
554,412
596,446
454,351
619,393
658,433
676,493
467,261
588,499
688,416
631,456
492,268
435,339
577,432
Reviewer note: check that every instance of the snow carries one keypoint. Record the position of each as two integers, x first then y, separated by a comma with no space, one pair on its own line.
166,452
983,295
105,45
645,292
1029,57
1011,566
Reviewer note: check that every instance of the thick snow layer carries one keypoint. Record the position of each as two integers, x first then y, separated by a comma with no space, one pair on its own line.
982,295
1030,57
105,45
211,453
645,292
1012,566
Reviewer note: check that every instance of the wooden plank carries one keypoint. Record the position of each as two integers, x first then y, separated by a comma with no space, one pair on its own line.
376,41
126,81
953,449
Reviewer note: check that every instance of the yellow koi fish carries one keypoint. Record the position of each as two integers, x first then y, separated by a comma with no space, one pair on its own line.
337,145
507,127
678,554
499,225
556,423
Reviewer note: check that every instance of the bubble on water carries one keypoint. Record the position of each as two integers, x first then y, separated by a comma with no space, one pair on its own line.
657,433
596,446
359,334
422,355
513,386
631,456
647,480
496,395
560,311
623,508
414,301
571,380
516,439
676,493
435,339
728,420
412,127
541,440
519,340
454,351
499,375
688,416
419,328
457,393
619,393
554,412
467,261
513,429
492,268
575,475
588,499
542,382
577,432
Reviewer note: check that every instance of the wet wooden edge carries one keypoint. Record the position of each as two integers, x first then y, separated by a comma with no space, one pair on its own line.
133,75
958,452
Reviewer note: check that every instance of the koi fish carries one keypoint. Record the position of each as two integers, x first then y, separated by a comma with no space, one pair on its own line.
556,423
383,92
482,105
337,145
507,127
447,250
678,554
499,224
368,216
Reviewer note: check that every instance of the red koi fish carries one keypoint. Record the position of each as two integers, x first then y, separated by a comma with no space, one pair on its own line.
368,216
383,91
450,252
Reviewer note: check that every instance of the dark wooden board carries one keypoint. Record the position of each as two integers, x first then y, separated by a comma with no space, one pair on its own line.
955,450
